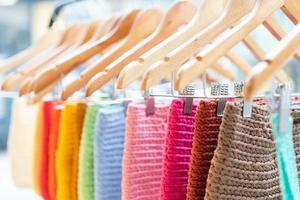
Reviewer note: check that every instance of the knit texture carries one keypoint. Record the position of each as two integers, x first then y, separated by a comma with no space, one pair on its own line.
178,151
205,141
53,143
244,165
21,142
37,149
86,156
108,152
143,152
296,137
68,150
44,148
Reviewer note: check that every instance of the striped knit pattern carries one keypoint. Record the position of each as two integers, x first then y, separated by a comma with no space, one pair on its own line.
21,142
244,164
68,150
86,155
178,151
143,152
205,141
53,142
108,152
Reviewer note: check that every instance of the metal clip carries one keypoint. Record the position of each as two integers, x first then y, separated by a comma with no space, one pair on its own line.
247,109
238,88
284,108
224,91
215,89
150,104
188,101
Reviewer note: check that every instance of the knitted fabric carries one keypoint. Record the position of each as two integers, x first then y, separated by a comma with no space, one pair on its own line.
21,142
143,152
53,142
108,152
37,150
86,156
296,137
68,150
178,151
205,141
44,148
244,165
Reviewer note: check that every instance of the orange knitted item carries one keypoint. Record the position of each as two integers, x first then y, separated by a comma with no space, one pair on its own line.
68,150
53,142
205,142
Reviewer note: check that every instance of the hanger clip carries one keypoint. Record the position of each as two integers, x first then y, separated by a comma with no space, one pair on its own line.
247,109
284,108
218,89
188,101
150,104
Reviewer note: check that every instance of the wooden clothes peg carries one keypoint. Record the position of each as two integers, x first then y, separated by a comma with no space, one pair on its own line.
145,24
207,13
178,15
83,54
262,11
265,70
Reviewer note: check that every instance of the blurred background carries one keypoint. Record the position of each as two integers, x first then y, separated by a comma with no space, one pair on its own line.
24,21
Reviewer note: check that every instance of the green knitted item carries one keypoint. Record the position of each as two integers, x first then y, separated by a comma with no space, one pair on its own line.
86,155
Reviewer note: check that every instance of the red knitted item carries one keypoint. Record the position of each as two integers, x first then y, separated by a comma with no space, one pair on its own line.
177,152
205,142
44,148
53,141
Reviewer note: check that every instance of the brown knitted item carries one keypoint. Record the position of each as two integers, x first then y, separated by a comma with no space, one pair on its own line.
296,137
205,141
244,165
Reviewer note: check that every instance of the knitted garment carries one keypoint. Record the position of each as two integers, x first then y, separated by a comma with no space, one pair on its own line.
178,151
143,152
53,142
21,142
44,149
296,137
37,150
244,165
108,152
68,150
205,141
86,156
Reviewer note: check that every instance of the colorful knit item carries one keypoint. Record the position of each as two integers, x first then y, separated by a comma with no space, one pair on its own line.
244,165
178,151
296,137
68,150
44,148
53,143
108,152
37,149
143,152
207,127
86,156
21,142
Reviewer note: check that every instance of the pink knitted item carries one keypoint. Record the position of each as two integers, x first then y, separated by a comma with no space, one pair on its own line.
143,152
178,151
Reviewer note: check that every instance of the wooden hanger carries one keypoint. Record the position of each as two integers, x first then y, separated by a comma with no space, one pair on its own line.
207,13
70,62
49,38
234,11
181,13
74,37
27,85
145,24
264,71
262,11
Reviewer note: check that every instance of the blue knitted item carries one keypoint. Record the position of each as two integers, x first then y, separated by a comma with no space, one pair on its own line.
108,152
